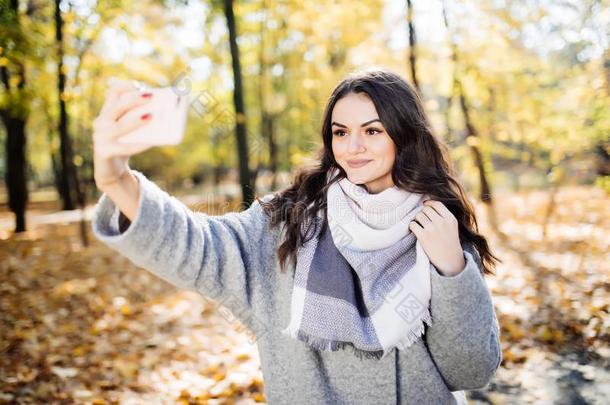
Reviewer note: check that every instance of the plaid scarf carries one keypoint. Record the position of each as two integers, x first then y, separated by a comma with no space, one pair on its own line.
363,280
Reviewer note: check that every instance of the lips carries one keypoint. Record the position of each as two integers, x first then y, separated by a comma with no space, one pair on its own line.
358,162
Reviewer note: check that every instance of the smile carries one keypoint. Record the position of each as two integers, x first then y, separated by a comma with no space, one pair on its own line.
358,163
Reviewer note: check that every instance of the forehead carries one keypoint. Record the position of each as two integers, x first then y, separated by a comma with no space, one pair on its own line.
354,108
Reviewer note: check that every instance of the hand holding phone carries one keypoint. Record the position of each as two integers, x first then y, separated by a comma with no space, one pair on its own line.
168,110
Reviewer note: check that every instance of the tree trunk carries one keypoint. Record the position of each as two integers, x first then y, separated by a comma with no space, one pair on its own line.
14,120
272,151
454,86
69,184
485,187
245,176
67,164
603,146
550,208
471,132
412,44
16,180
267,117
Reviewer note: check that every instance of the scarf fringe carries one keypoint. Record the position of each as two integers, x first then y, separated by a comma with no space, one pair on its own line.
333,345
413,335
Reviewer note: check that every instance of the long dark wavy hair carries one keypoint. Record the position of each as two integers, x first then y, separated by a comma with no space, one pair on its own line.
422,165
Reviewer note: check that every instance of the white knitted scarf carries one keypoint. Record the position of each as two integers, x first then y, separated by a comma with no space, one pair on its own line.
366,285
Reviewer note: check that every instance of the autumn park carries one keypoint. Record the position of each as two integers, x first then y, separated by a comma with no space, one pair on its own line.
518,90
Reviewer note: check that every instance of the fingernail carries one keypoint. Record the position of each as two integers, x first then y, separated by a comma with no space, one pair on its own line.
145,116
147,95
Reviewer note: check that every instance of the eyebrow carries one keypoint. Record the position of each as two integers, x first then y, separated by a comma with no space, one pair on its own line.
362,125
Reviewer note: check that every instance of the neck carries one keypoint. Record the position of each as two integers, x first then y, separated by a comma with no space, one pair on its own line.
378,185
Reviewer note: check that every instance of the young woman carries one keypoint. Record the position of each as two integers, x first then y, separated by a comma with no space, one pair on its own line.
363,280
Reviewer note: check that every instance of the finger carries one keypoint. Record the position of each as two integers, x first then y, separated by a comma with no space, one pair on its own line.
422,218
127,101
439,207
108,131
431,213
114,149
415,228
130,121
116,87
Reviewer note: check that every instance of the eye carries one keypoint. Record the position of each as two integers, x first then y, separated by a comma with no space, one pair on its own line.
373,131
338,132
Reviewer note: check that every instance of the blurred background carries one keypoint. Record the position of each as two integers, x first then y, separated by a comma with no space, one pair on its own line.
519,90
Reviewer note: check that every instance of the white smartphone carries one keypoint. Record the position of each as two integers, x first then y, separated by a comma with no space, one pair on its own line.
169,109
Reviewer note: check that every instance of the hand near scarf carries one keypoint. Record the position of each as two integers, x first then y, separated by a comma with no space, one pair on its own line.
439,237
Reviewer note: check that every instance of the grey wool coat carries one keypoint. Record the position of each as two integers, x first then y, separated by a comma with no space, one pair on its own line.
232,259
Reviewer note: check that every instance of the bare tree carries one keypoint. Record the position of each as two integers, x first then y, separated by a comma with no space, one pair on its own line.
245,176
14,113
68,181
267,117
471,132
412,45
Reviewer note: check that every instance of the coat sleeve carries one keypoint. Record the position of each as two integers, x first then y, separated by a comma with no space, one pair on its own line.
464,338
219,256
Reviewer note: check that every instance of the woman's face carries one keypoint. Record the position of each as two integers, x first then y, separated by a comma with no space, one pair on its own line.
360,144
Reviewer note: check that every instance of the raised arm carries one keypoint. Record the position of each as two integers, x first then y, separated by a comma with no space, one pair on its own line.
464,339
221,257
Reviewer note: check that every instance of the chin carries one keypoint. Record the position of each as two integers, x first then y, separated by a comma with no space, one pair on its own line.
359,178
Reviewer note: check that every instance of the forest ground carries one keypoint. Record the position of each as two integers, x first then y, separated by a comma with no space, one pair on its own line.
84,325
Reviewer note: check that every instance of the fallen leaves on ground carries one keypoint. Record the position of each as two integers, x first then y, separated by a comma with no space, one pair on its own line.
87,326
552,299
84,325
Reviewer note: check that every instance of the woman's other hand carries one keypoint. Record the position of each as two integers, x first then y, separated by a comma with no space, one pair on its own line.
437,231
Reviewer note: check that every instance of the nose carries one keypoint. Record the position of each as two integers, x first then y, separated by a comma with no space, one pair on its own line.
355,143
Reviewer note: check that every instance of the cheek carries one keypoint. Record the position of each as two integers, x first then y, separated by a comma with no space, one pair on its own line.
391,154
385,149
338,148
